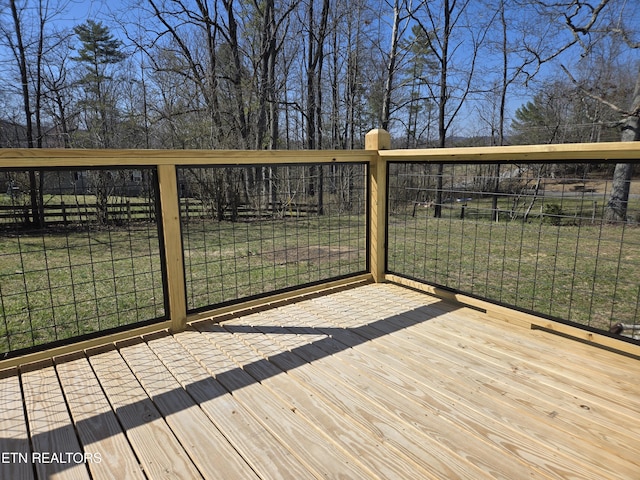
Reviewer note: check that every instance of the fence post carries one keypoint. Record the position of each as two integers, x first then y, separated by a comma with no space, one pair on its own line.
377,140
167,181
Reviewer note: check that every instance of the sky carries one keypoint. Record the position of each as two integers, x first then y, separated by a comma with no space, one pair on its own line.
78,12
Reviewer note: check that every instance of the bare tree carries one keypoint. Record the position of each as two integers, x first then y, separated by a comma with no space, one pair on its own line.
587,22
28,53
272,37
316,36
58,98
440,22
397,32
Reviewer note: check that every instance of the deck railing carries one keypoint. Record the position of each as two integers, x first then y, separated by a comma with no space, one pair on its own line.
79,264
500,228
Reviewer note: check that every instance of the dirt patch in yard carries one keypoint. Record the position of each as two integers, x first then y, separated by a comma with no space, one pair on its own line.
590,186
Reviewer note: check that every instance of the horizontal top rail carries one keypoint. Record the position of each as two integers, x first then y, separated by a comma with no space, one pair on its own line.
60,157
164,258
513,153
35,158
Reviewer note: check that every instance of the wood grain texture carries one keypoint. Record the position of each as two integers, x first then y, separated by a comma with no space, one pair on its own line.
518,318
312,448
515,153
373,380
161,454
96,423
52,434
418,454
173,252
14,439
52,157
308,401
195,431
268,457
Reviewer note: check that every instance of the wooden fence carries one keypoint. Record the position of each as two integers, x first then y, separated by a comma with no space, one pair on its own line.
78,213
65,214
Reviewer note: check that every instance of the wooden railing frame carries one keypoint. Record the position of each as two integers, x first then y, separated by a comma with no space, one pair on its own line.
377,140
166,163
377,154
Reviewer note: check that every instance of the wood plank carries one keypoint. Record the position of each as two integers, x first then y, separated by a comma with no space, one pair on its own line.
310,404
267,456
430,454
96,424
555,410
432,394
316,451
443,333
55,445
516,153
543,355
173,252
479,455
158,450
544,351
583,371
461,382
97,342
197,434
503,370
271,300
364,376
69,157
377,140
15,453
537,340
523,319
610,431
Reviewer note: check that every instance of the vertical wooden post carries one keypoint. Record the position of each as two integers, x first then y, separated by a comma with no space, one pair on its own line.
378,140
170,208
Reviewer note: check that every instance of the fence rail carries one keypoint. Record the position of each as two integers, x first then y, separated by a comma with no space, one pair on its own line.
76,213
128,211
497,224
84,254
532,236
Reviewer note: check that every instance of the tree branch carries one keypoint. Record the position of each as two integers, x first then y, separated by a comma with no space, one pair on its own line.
592,95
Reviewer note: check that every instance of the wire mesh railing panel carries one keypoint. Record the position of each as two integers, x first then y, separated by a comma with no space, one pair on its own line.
79,254
540,237
253,230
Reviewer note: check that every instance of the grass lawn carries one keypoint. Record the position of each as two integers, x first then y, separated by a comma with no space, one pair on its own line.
225,261
73,282
584,273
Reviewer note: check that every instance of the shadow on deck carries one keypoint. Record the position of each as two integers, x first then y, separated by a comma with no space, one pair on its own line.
377,381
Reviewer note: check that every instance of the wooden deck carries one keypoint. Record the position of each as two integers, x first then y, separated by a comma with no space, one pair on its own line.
377,381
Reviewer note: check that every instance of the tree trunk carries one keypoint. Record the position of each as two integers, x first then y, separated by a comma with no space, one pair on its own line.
616,210
442,103
391,68
237,75
20,53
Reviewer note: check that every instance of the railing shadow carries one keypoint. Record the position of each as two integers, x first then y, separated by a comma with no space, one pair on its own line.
335,339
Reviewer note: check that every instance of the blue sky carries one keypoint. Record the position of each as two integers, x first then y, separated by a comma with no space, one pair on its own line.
77,12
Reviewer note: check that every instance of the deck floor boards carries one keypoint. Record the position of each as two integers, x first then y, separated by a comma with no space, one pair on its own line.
96,424
376,381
